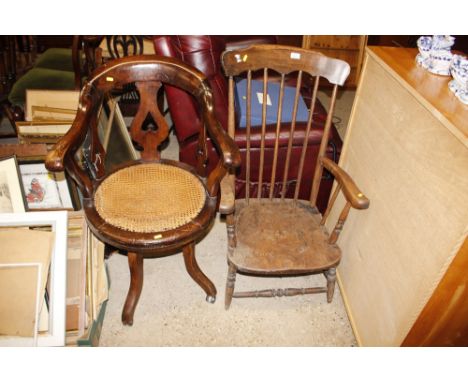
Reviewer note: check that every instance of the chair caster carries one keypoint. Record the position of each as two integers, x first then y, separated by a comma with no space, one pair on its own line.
211,299
127,319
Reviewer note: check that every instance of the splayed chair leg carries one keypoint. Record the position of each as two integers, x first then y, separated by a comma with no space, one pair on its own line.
196,273
135,263
331,279
231,280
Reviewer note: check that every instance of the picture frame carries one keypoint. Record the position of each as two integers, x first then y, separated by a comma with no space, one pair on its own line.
114,135
20,269
24,152
45,190
50,104
12,197
77,254
57,220
41,131
47,113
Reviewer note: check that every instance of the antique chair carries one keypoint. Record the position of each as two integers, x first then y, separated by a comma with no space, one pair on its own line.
204,53
281,236
150,206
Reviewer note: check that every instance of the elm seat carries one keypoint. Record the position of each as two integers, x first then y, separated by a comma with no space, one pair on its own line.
290,237
151,197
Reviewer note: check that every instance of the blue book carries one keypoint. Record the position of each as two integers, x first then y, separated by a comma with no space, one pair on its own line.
256,100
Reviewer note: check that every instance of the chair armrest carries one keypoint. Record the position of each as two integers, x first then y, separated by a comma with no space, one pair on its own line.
351,192
62,156
227,199
230,157
56,158
229,151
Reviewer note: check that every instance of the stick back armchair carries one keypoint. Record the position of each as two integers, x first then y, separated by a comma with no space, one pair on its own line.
282,236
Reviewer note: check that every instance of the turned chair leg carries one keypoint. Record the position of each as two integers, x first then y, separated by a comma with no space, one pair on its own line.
331,278
135,263
231,232
196,273
231,280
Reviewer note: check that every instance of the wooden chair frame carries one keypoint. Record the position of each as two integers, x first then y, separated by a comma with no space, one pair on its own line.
285,60
148,73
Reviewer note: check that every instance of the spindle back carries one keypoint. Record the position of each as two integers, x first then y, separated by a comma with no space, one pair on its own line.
305,68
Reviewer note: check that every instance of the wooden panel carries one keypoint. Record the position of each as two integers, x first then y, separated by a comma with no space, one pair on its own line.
443,321
415,172
334,42
348,48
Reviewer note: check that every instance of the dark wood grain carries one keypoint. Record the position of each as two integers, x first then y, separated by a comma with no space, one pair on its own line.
135,263
196,273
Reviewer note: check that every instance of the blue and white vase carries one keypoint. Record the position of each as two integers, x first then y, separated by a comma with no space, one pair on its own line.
459,84
424,46
434,53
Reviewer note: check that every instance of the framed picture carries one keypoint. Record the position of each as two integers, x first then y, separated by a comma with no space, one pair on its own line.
47,190
12,198
42,132
51,104
20,307
57,222
24,152
114,135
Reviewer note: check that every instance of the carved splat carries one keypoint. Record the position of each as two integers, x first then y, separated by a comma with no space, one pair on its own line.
149,139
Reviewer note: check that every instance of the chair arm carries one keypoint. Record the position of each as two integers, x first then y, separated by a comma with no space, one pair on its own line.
228,149
230,157
227,191
56,158
351,192
61,157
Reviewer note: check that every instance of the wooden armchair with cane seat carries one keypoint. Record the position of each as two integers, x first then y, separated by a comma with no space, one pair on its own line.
149,207
270,236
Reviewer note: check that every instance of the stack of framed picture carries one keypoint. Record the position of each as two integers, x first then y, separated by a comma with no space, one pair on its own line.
49,114
49,204
87,284
53,280
30,196
33,278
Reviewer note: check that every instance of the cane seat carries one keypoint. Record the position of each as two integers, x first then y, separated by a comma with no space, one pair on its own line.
150,197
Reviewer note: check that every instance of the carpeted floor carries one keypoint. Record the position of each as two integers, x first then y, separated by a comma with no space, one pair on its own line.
172,310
